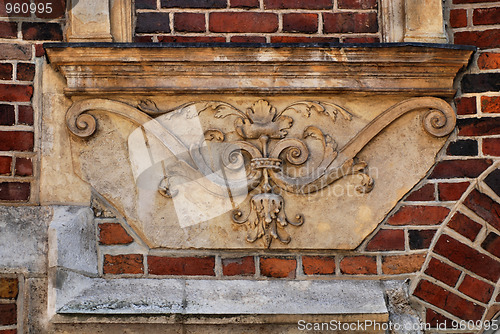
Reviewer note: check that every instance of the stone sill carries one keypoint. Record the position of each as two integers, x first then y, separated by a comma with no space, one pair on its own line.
131,68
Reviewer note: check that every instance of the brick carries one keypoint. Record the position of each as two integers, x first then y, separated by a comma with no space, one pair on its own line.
113,234
15,191
443,272
387,240
58,10
448,301
244,3
278,267
194,3
486,16
5,165
357,4
189,22
243,22
248,39
8,331
25,71
298,4
361,40
449,169
463,147
482,39
490,104
437,320
9,288
350,22
152,23
39,50
488,61
465,226
483,82
191,39
491,146
8,30
318,265
189,266
25,115
419,215
24,167
458,18
145,4
474,288
15,51
493,181
143,39
123,264
243,266
300,22
420,239
16,141
424,193
7,114
5,71
42,31
358,265
466,105
300,39
479,126
492,244
15,93
484,207
8,314
402,264
468,257
452,191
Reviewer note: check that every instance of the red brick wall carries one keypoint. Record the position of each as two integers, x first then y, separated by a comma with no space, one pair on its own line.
257,21
9,290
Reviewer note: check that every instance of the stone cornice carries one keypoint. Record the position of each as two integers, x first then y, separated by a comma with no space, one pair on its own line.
403,68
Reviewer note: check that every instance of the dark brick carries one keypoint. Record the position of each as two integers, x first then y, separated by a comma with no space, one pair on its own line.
357,4
24,167
16,141
145,4
369,39
484,207
42,31
482,39
243,266
248,39
490,104
300,22
486,16
9,288
298,4
143,39
419,215
15,191
8,29
492,244
448,301
465,226
152,22
476,289
452,191
468,257
443,272
244,3
5,71
420,239
194,3
8,314
58,9
5,165
191,39
488,61
243,22
113,234
458,18
483,82
189,266
189,22
7,114
471,168
123,264
484,126
300,39
387,240
491,146
15,93
39,50
278,267
402,264
464,147
318,265
25,71
350,22
436,320
425,193
493,181
466,105
25,115
359,265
